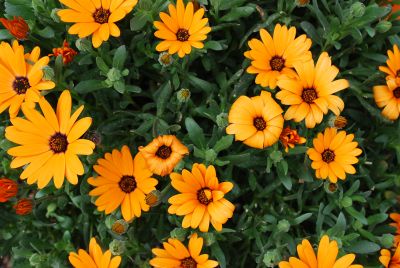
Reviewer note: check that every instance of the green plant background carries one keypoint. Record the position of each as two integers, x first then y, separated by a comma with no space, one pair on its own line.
132,99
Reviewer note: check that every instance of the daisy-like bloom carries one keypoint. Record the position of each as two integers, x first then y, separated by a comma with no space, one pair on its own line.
95,17
273,56
310,96
123,182
392,68
289,138
66,52
389,261
95,258
333,154
163,154
175,254
21,76
396,218
201,198
23,207
8,189
181,29
388,97
50,142
325,258
16,27
257,121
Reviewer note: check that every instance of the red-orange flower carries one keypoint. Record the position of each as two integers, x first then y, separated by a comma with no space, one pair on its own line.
17,27
396,218
24,206
289,138
8,189
65,51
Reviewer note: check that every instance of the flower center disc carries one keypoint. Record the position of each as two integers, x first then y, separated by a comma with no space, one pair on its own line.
188,263
182,35
58,143
127,184
164,152
328,156
202,196
309,95
101,15
396,93
259,123
277,63
21,85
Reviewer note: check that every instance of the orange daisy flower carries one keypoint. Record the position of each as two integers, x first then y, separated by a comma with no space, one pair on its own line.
8,189
66,52
201,199
289,138
396,218
392,69
181,29
388,97
175,254
389,261
163,154
23,206
273,56
17,27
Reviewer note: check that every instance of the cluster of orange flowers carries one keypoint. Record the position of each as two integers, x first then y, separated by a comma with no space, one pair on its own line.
8,190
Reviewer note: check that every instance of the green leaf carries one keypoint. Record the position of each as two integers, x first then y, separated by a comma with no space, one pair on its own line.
302,218
223,144
195,133
237,13
218,254
88,86
357,215
120,57
364,247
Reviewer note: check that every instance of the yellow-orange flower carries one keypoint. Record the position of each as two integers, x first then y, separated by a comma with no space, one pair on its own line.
389,261
273,56
311,94
95,258
95,17
325,258
333,154
175,254
289,138
392,69
17,27
181,29
122,182
396,218
163,154
21,76
67,53
257,121
23,207
50,142
201,199
8,189
388,97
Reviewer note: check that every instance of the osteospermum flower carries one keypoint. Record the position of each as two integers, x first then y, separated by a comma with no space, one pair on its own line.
325,258
95,17
49,142
181,29
8,189
333,154
388,97
21,76
122,182
23,207
273,56
95,258
175,254
257,121
16,27
163,154
290,138
396,218
67,53
310,96
201,199
392,69
388,260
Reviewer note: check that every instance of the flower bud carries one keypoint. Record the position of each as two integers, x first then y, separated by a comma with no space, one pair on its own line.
383,26
183,95
119,227
283,226
357,9
153,199
222,120
117,247
165,59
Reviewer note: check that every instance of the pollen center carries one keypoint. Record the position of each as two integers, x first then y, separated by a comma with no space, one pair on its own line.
396,93
277,63
164,151
309,95
259,123
21,85
204,196
101,15
188,263
182,35
127,184
58,143
328,156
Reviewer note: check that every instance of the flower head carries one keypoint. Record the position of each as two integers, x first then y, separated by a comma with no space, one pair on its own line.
21,76
326,256
153,199
17,27
50,142
388,97
392,68
289,138
67,53
388,260
181,29
23,206
8,189
122,182
257,121
396,218
273,56
163,154
333,154
96,18
338,122
201,199
165,59
120,227
95,258
310,96
175,254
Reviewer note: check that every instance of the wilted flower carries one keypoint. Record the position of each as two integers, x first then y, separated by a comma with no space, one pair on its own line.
289,138
17,27
165,59
8,189
65,51
24,206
